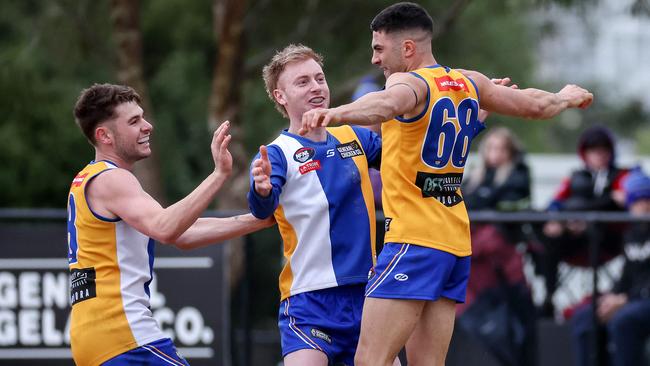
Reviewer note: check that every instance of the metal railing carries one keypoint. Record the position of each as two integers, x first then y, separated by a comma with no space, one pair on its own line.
591,218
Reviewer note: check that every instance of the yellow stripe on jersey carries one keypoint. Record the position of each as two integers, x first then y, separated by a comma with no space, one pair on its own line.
290,239
423,159
346,134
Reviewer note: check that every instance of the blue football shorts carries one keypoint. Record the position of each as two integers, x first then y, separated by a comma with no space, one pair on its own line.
327,320
158,353
407,271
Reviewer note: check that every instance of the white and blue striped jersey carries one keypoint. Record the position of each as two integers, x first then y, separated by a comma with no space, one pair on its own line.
323,203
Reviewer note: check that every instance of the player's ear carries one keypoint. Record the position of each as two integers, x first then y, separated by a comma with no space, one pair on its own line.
408,48
279,97
103,135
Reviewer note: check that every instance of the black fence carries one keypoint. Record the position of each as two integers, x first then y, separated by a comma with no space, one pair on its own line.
211,321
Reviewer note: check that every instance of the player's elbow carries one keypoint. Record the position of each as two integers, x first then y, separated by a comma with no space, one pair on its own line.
182,242
168,235
182,245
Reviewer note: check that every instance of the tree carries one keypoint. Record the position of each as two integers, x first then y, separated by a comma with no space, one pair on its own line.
125,17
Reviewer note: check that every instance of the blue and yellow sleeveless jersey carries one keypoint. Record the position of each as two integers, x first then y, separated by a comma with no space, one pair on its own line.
423,161
323,203
110,272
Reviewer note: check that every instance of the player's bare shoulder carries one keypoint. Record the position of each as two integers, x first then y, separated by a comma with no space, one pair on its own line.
406,81
112,184
406,78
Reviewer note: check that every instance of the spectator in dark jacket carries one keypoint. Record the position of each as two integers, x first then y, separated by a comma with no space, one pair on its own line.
625,312
501,181
597,186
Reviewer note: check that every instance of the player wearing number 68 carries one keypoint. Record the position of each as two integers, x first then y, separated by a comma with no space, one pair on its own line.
429,115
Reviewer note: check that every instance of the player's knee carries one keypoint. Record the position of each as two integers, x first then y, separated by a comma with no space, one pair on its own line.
426,357
363,357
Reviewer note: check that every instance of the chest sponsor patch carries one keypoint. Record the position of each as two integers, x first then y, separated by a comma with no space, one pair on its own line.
78,180
349,149
443,187
82,285
446,83
303,154
308,167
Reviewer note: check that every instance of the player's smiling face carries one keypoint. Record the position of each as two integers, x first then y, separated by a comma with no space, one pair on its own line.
386,53
302,87
131,132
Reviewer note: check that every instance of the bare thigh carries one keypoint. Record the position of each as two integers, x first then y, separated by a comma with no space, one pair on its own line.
429,341
306,357
386,325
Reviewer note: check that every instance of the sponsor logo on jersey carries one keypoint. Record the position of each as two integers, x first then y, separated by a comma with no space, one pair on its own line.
320,334
349,149
401,277
446,83
387,223
82,285
443,187
330,153
303,154
79,179
308,167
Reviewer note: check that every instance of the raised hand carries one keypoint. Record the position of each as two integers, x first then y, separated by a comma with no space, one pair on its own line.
261,172
219,147
318,117
576,96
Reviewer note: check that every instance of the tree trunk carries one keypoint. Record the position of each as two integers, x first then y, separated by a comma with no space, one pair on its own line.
125,19
224,104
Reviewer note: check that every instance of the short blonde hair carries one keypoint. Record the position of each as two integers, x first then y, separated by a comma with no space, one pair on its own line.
272,70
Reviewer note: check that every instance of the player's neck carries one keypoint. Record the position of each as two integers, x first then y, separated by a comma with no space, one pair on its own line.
423,61
113,158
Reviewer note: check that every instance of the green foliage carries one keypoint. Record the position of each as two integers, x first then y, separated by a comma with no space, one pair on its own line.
44,61
49,51
179,50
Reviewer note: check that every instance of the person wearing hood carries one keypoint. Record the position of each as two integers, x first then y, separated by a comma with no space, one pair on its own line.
597,186
625,311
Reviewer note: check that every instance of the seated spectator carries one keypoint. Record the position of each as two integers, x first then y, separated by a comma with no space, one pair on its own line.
624,312
597,186
501,181
497,287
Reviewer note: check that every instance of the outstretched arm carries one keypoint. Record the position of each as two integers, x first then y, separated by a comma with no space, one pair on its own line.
117,193
404,93
528,103
482,113
210,230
